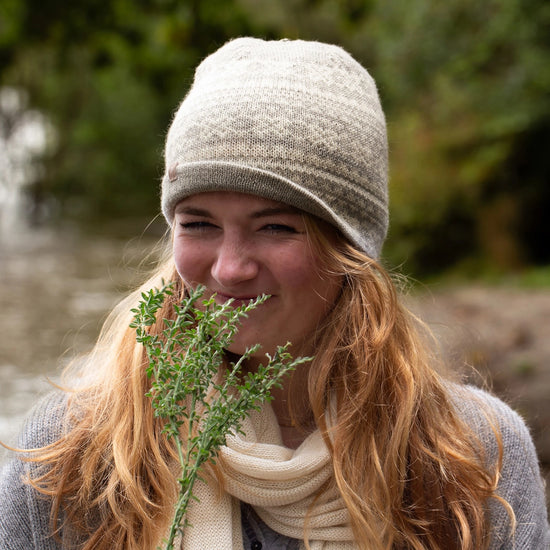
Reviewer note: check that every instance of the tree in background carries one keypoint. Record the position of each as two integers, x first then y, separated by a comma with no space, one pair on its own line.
108,75
468,86
465,86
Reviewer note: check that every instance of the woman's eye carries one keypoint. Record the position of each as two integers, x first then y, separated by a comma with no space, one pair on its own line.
196,226
278,228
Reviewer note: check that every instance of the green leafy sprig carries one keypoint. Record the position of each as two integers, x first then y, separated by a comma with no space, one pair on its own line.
199,401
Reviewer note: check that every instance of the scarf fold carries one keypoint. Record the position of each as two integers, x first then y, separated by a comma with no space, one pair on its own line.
280,484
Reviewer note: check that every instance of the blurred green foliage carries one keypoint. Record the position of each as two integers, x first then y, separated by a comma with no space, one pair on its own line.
465,85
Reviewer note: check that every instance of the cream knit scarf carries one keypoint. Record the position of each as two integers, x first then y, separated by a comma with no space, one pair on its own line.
279,483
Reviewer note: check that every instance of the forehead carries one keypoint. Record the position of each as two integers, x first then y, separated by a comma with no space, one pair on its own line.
232,199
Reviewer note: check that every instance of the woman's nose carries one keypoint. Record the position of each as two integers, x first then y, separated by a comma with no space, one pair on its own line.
234,263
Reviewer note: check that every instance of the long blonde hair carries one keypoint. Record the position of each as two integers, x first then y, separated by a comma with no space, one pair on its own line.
410,472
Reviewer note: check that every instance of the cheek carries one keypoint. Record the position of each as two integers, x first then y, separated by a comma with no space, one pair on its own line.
190,262
302,274
292,268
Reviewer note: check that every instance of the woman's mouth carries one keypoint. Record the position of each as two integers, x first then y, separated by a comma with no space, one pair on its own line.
237,300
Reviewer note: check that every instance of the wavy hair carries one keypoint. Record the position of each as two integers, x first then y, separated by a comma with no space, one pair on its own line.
112,476
411,473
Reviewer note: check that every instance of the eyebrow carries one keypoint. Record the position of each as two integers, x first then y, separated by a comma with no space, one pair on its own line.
193,211
264,212
273,211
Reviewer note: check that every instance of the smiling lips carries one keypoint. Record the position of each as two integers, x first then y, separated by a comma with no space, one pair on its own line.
237,300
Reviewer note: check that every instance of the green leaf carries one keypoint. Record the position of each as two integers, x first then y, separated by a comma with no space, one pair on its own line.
185,363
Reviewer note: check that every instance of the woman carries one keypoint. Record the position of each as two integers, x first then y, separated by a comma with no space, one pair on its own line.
276,183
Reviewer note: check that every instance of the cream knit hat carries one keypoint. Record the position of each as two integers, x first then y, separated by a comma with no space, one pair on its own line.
293,121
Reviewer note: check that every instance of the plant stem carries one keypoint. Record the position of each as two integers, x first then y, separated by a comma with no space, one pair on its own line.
180,381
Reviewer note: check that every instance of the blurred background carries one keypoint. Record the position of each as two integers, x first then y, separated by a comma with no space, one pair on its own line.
88,88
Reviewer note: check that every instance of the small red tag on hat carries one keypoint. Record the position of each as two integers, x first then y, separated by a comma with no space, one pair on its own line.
172,172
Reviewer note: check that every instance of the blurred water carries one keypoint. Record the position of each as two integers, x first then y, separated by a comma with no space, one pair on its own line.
56,286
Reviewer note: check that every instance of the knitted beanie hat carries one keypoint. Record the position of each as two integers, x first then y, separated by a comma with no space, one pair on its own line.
292,121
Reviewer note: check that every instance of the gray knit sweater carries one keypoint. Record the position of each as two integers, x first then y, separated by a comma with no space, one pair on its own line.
24,515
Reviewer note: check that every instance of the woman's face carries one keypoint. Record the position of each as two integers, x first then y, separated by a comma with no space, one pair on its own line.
241,246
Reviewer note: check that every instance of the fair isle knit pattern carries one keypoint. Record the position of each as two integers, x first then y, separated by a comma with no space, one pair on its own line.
293,121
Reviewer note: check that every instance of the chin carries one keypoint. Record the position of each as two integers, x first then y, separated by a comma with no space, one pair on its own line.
239,347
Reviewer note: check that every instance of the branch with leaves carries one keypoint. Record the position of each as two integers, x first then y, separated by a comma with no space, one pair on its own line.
199,401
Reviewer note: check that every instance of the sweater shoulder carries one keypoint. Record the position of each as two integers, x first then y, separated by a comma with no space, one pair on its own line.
45,422
499,428
483,412
506,439
25,517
